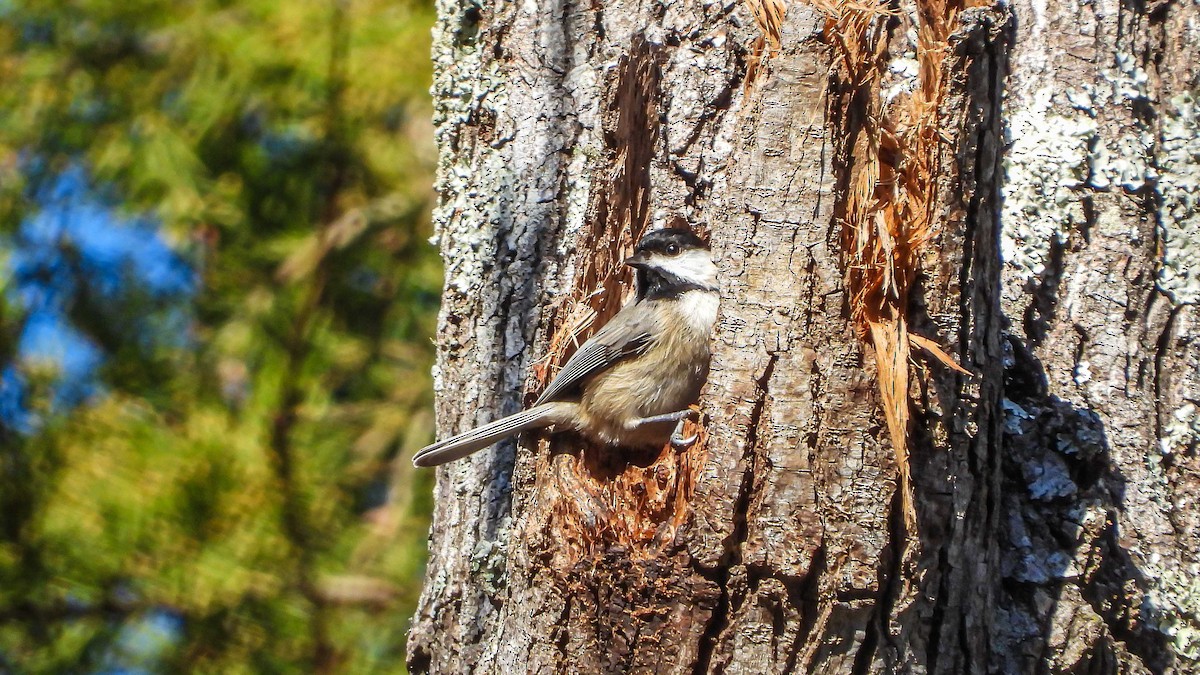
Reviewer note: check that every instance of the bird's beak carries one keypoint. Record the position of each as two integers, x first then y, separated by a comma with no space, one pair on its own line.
638,260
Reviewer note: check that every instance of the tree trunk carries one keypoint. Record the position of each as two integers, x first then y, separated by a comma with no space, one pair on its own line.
1055,527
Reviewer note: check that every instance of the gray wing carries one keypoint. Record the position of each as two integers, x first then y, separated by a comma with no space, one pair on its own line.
628,333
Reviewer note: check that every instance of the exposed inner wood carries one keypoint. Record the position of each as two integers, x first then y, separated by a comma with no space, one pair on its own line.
778,543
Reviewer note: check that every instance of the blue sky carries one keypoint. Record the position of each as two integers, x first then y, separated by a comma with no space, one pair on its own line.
77,243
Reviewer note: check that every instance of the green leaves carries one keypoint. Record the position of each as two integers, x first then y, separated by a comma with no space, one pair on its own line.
249,477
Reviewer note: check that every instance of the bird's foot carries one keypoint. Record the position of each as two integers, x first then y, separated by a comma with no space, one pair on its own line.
678,440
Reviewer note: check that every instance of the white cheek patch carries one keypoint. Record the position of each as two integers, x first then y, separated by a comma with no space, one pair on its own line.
694,267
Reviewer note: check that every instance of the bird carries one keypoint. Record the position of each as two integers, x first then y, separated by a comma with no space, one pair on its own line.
631,384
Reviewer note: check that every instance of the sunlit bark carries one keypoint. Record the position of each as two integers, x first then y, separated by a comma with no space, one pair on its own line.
780,543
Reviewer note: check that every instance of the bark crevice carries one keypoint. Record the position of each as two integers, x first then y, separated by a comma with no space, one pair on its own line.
1041,494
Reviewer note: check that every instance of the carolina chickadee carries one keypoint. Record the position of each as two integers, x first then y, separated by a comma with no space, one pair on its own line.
631,383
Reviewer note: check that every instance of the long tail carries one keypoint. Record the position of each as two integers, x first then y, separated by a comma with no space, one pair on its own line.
457,447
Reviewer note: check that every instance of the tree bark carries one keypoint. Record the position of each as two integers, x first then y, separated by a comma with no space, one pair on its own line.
1055,524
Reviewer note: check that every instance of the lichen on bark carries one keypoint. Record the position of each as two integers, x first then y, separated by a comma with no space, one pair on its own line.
1053,491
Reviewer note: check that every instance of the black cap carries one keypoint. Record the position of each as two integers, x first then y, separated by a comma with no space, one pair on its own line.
657,241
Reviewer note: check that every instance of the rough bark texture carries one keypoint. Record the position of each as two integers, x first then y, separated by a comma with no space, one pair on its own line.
1100,529
1054,490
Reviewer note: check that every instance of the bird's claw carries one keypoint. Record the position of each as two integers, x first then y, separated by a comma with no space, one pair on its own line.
677,438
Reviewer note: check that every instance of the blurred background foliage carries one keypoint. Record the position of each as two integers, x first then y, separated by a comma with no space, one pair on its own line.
216,304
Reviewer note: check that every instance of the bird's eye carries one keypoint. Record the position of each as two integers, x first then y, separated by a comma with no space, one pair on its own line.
672,249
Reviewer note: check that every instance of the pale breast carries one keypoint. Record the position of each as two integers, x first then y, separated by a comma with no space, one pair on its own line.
666,378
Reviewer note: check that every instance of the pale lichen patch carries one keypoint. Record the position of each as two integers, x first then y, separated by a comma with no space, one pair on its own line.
464,85
1178,189
1173,608
1182,431
1046,164
1057,150
1122,161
